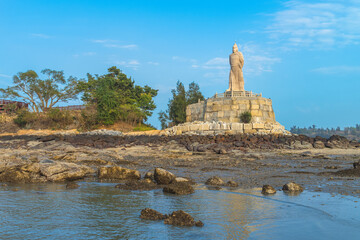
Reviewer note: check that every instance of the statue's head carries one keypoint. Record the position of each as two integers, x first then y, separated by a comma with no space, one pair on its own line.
235,48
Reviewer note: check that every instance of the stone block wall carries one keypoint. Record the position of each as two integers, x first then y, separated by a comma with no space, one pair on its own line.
214,128
230,109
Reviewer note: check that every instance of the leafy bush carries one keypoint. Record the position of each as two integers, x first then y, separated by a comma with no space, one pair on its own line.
245,117
25,118
144,127
58,118
89,119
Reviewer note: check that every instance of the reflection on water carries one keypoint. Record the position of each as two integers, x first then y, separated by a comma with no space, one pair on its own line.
100,211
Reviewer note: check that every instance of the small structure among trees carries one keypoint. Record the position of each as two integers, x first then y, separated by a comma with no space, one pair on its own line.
8,106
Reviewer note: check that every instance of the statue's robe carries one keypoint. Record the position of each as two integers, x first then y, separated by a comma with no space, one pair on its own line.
236,79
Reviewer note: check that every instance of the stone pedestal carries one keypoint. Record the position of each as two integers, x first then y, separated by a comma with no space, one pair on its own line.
229,109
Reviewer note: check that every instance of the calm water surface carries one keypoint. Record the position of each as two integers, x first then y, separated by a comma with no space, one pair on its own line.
100,211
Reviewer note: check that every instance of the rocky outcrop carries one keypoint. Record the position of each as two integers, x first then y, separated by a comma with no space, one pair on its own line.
151,214
292,187
63,171
117,172
180,218
215,181
162,176
267,190
141,185
180,188
46,170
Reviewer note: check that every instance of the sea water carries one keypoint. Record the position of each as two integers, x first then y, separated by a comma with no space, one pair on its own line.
101,211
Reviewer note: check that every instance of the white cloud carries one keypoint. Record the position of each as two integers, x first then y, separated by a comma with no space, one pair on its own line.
129,46
40,35
133,64
318,25
153,63
114,44
5,76
86,54
256,62
337,69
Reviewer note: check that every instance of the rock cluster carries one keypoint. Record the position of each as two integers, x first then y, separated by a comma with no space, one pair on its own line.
177,218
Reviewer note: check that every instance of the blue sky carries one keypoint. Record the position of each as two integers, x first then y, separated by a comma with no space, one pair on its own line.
304,55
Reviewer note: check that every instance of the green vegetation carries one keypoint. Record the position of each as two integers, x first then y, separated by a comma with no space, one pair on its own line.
143,127
176,112
110,98
41,94
52,119
245,117
348,132
116,98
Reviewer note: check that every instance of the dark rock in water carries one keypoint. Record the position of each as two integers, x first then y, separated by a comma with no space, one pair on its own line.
117,172
72,185
214,181
199,224
232,184
162,176
179,188
292,187
356,165
142,185
151,214
267,189
180,218
354,172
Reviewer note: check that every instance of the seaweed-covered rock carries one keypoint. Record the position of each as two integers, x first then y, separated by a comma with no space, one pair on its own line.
214,181
162,176
232,184
267,189
292,187
142,185
179,188
151,214
180,218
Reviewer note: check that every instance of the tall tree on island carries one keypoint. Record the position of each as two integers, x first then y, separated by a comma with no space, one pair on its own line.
176,112
42,94
117,98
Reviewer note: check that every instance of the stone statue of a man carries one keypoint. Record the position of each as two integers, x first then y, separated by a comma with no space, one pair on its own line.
236,79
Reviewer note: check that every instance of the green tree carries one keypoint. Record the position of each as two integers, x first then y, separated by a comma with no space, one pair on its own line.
42,94
193,95
176,112
116,97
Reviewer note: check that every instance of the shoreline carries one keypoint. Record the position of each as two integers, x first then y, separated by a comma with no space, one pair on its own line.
239,158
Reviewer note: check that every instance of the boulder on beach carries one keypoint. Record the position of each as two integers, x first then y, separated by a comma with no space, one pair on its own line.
292,187
267,189
151,214
179,188
215,181
162,176
232,184
117,172
63,171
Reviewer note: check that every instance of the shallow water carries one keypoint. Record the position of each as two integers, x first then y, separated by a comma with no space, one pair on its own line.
100,211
